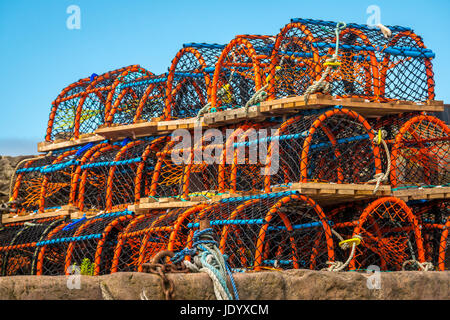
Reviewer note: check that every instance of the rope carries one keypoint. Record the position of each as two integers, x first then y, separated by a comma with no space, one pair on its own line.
345,244
331,64
426,266
258,96
207,258
381,177
385,30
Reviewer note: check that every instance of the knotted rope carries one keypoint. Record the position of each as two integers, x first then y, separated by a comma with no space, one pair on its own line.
208,259
425,266
344,245
331,64
381,177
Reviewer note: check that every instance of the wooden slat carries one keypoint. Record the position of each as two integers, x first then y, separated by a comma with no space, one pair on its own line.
162,205
359,105
49,146
423,193
29,217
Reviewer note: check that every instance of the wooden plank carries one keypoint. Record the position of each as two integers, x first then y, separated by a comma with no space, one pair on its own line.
163,205
50,146
423,193
358,104
30,217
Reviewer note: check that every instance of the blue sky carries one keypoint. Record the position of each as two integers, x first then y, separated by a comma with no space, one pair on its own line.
39,56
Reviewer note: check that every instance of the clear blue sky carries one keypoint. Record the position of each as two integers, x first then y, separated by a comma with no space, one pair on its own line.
39,56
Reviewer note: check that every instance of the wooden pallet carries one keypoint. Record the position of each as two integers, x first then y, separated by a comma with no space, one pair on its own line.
362,106
64,211
279,107
422,193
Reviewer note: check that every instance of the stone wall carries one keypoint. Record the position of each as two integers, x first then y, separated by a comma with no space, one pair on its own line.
270,285
7,166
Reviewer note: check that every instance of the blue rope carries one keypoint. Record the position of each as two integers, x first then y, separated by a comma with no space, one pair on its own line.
230,274
198,243
70,225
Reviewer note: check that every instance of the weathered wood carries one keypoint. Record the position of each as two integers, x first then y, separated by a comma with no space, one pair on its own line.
29,217
422,193
50,146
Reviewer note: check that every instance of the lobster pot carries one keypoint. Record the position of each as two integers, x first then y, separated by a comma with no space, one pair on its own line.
189,79
92,246
391,124
84,106
368,65
246,157
214,159
279,230
28,183
64,108
127,251
18,250
52,250
138,98
420,154
7,233
240,71
126,170
57,181
93,181
170,169
434,217
333,145
390,236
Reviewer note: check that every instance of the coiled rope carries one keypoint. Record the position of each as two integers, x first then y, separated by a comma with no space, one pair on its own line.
207,258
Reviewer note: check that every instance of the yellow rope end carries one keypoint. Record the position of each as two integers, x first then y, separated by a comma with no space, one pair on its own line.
356,241
333,64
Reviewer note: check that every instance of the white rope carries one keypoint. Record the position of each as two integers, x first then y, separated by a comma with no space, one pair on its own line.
385,30
381,177
331,63
257,97
426,266
220,292
337,266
